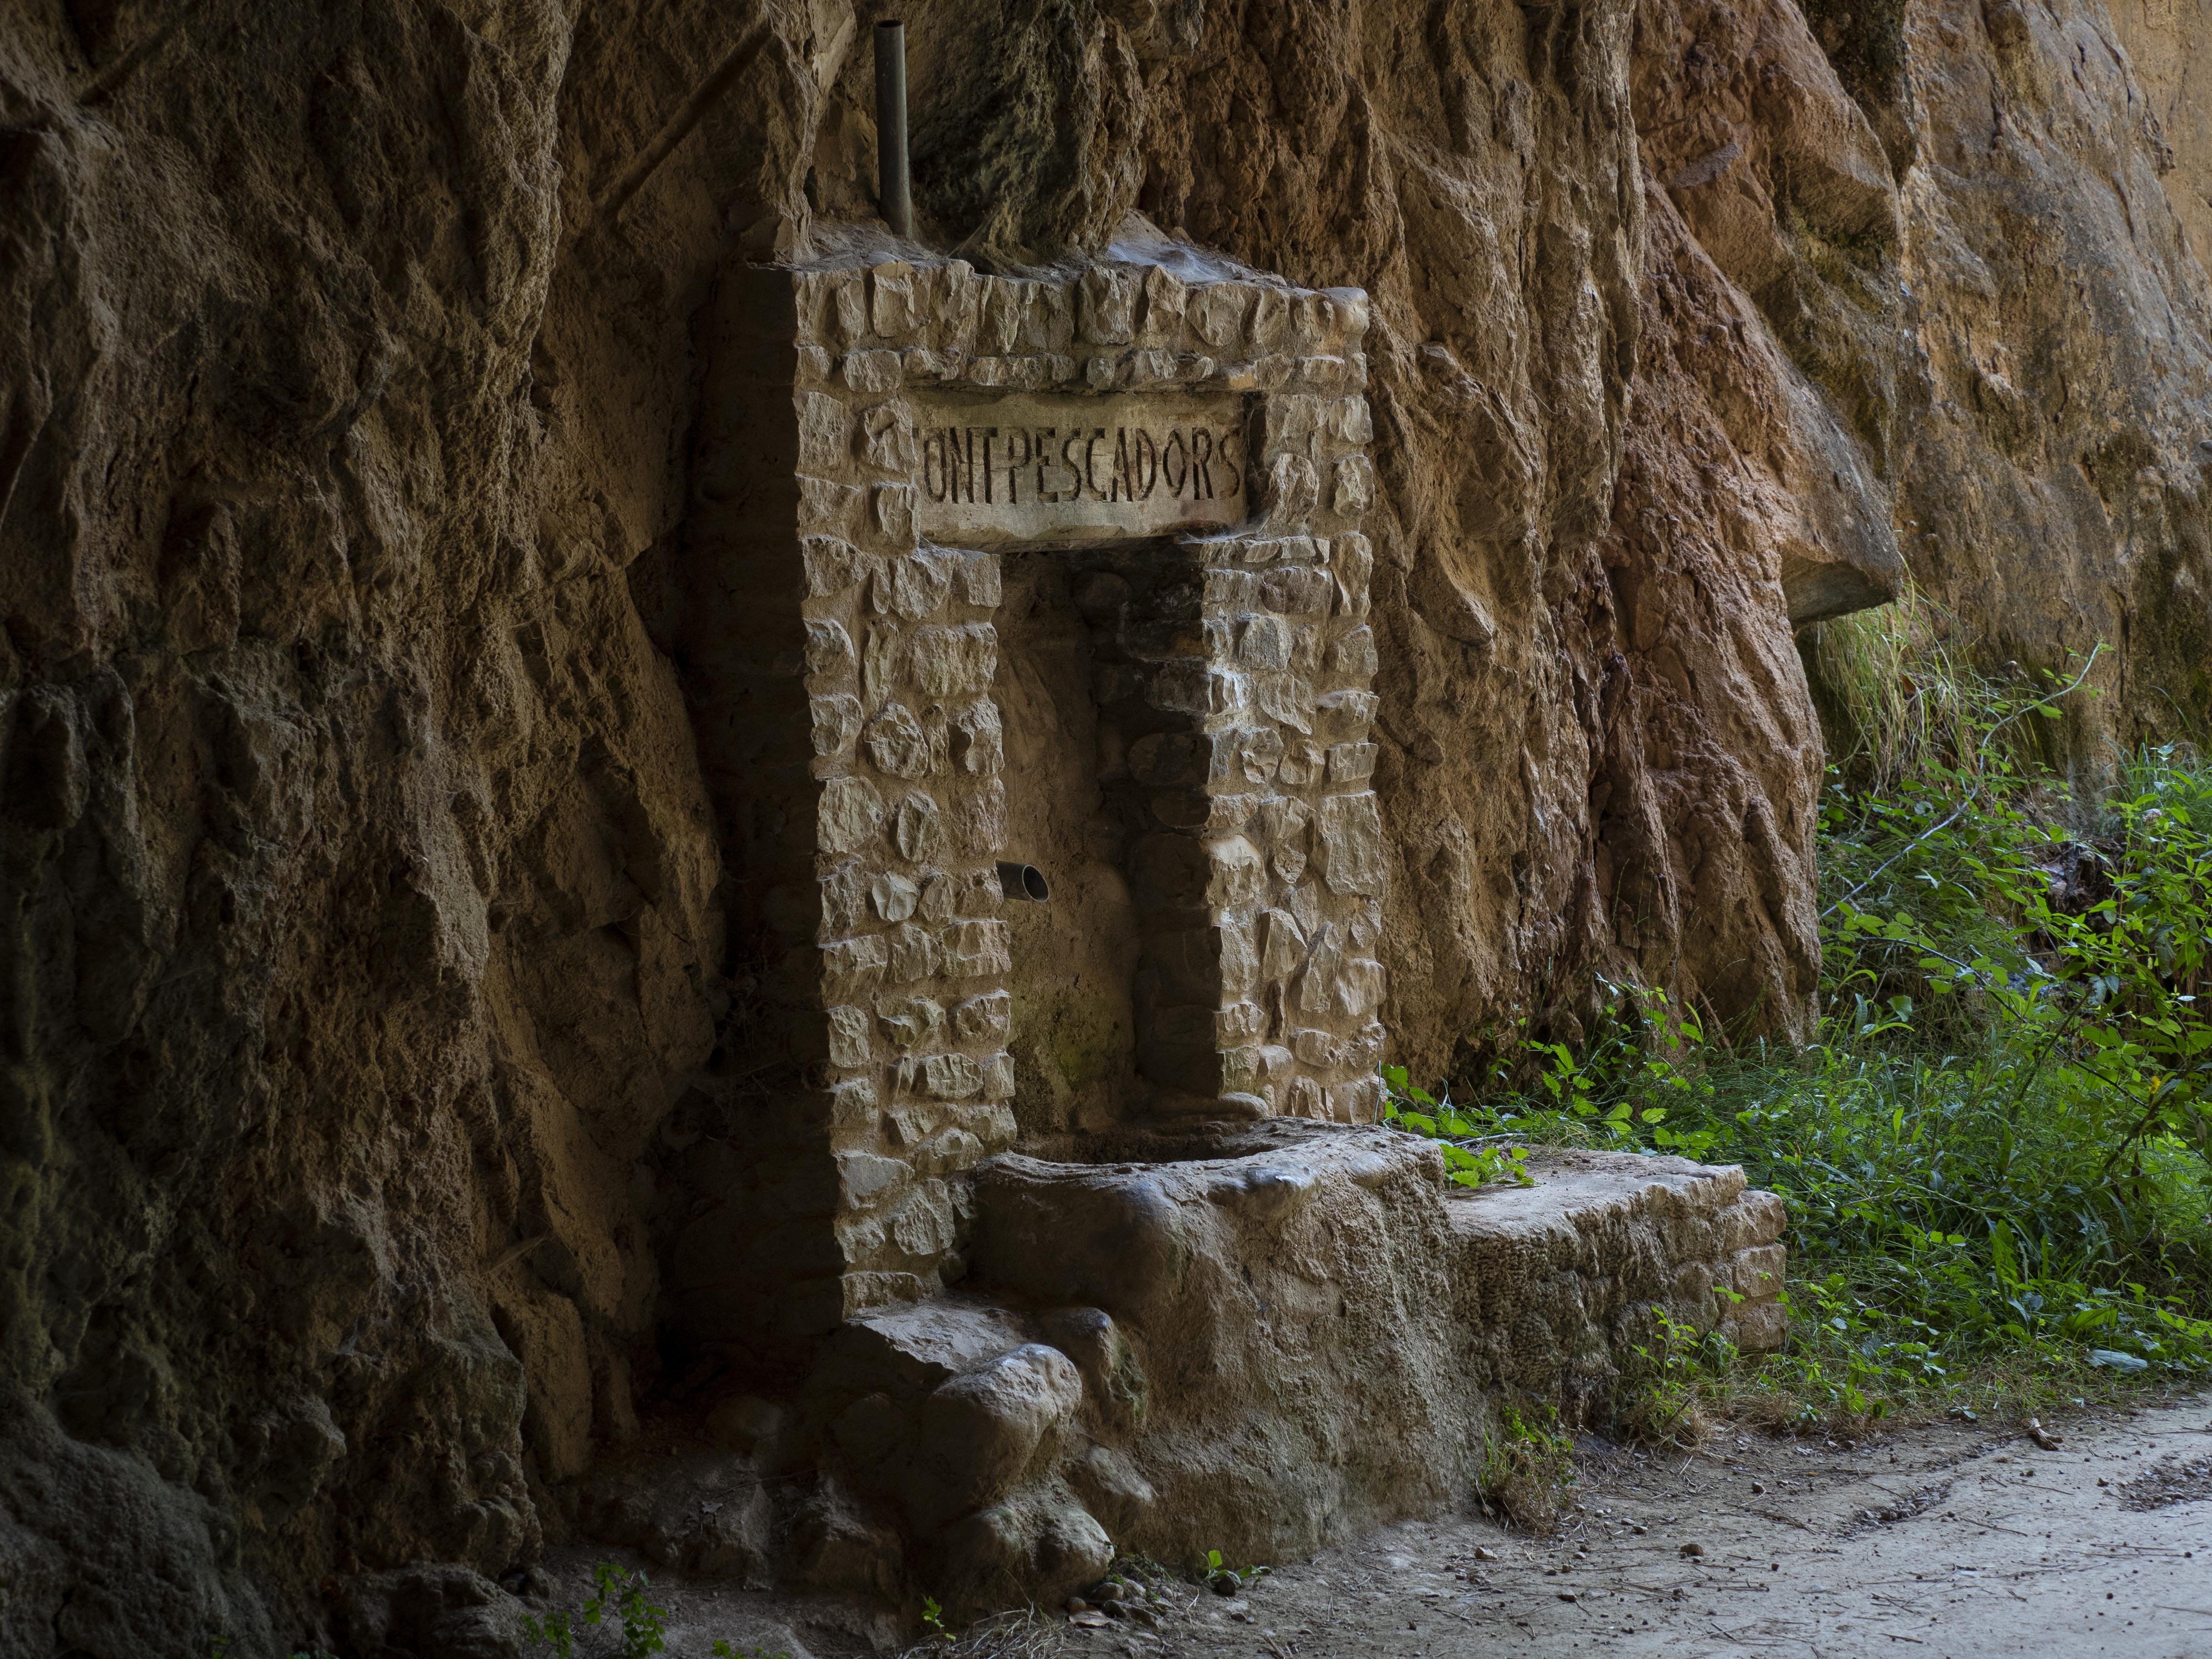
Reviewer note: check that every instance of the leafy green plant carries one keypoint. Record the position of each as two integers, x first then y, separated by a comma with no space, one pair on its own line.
553,1631
1642,1063
1470,1159
620,1592
1528,1466
1664,1394
642,1623
2013,1079
932,1616
1997,1152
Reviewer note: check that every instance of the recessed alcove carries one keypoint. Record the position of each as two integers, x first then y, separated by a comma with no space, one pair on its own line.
1116,982
1065,573
1074,957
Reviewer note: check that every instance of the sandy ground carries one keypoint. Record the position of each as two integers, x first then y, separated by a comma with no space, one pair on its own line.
1949,1540
1945,1540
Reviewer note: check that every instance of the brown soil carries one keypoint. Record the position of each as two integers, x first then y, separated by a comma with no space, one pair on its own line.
1950,1539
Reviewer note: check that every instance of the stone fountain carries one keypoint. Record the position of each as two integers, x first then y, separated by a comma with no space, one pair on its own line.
1069,1225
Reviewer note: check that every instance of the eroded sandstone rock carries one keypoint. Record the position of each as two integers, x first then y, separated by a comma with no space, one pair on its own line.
385,1067
978,1432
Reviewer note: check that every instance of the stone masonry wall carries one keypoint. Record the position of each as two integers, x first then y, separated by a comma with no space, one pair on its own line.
854,750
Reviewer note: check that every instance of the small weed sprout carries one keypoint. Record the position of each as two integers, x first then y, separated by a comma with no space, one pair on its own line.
932,1616
1223,1579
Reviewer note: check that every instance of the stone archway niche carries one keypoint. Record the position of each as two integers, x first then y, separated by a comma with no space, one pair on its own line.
1104,510
1174,475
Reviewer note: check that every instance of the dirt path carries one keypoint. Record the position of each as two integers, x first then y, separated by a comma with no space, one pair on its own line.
1945,1541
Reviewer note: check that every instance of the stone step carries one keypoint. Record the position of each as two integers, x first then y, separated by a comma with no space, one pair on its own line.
1260,1338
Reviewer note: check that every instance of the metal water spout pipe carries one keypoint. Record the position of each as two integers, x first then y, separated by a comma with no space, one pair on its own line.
1023,881
893,185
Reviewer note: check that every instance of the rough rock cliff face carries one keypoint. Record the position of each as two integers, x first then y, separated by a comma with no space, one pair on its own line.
366,965
2055,495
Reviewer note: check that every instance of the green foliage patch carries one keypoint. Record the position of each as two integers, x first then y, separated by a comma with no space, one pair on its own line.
1998,1154
1528,1466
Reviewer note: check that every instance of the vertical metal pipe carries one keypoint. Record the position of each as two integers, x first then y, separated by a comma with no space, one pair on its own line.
894,188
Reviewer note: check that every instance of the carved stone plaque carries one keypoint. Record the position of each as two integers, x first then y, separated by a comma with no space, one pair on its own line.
1044,467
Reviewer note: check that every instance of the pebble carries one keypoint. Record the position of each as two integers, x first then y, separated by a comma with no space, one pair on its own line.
1481,1554
1759,1485
1089,1618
